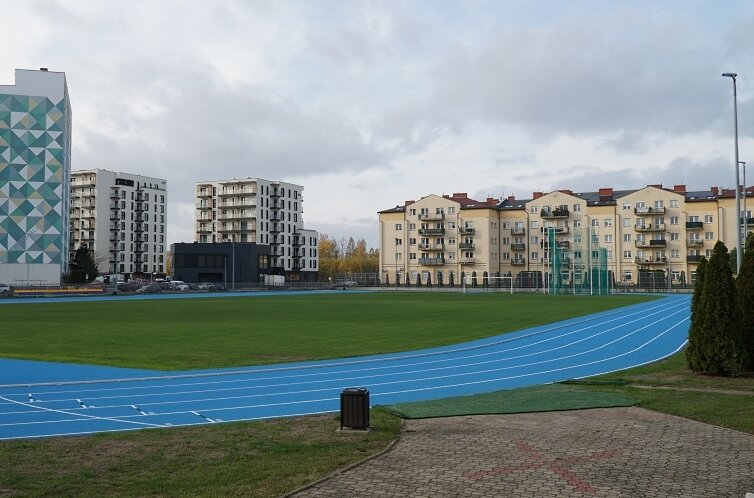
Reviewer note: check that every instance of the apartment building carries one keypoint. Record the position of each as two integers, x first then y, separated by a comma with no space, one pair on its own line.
652,228
122,217
35,165
261,211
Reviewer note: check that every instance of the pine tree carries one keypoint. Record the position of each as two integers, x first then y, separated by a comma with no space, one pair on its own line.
745,298
694,349
83,266
722,348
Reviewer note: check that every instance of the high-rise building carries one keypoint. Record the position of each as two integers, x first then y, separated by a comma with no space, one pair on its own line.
123,218
260,211
35,165
652,231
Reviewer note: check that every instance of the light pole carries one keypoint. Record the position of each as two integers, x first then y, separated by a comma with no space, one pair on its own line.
739,255
746,217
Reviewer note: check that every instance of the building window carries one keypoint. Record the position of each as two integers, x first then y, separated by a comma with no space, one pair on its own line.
709,235
399,226
397,256
452,210
608,222
399,242
626,237
576,207
412,255
626,222
674,236
674,220
595,223
412,226
675,253
412,212
534,224
534,210
627,254
608,238
627,276
708,218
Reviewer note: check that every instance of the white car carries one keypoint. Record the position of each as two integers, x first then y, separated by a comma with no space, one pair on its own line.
4,289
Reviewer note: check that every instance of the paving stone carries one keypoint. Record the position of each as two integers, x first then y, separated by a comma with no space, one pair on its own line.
613,452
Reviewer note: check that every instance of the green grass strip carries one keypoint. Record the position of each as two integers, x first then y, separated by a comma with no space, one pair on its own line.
554,397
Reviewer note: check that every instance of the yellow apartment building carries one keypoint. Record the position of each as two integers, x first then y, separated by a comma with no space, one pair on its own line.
441,239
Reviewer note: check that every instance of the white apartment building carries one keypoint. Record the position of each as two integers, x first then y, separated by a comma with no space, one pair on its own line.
122,217
259,211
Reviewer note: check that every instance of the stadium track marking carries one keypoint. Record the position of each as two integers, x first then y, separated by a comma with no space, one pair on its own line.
635,339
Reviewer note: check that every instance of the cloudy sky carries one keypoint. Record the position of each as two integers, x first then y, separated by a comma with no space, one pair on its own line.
370,103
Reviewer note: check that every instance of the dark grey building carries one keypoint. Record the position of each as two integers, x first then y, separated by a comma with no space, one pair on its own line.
224,263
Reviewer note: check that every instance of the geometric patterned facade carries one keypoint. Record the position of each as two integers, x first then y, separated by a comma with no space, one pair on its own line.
35,144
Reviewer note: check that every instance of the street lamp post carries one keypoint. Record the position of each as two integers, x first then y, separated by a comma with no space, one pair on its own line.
739,255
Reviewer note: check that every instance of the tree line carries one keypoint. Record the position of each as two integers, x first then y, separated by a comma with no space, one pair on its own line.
721,337
345,256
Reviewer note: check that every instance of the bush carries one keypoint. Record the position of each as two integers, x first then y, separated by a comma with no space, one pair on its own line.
694,349
745,299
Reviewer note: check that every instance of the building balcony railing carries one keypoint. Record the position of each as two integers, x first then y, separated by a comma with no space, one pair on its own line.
518,247
518,261
558,230
649,211
275,194
694,243
276,230
432,217
203,230
749,221
432,247
466,245
276,241
554,213
431,261
694,225
114,227
518,231
298,242
203,206
657,227
232,228
431,231
559,244
650,243
113,238
651,261
115,206
467,261
231,192
86,194
466,230
233,204
276,219
693,258
115,195
84,183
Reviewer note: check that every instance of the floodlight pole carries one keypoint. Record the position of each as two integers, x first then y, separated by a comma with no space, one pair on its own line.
739,252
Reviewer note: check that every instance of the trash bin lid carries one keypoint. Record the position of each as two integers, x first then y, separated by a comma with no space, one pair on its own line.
355,390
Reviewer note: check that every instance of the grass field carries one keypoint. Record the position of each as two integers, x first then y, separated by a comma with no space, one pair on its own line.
183,334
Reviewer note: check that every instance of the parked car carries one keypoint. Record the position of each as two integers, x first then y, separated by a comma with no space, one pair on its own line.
4,289
206,286
149,289
347,283
192,286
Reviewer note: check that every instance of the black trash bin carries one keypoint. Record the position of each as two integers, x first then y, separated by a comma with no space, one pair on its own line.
354,408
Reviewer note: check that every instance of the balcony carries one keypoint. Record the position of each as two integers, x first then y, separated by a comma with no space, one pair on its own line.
694,243
275,194
241,203
202,206
554,213
693,258
431,231
466,261
518,261
432,217
649,211
203,230
650,243
466,230
277,205
432,247
694,225
204,193
114,195
558,230
114,227
115,206
431,261
466,245
518,247
232,192
277,218
657,227
298,242
275,241
518,231
276,230
651,261
559,244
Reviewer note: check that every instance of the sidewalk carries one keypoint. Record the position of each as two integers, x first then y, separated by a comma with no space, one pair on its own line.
612,452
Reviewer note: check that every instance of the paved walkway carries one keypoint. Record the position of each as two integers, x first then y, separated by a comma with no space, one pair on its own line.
603,452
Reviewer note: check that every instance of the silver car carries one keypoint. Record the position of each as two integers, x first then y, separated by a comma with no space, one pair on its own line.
4,289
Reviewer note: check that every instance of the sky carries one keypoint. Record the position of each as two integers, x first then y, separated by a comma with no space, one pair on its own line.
368,104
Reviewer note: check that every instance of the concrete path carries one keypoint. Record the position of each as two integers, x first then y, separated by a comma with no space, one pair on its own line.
612,452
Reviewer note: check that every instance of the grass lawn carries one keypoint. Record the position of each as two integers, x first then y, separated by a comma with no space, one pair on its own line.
256,459
181,334
670,387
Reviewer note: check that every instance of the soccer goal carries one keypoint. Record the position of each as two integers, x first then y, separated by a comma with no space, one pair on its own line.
488,284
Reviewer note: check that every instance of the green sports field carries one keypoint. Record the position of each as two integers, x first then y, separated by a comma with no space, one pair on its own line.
181,334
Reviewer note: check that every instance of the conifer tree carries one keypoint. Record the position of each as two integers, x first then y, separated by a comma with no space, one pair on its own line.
722,351
745,298
694,349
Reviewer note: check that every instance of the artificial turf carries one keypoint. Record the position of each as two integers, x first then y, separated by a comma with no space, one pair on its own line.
184,334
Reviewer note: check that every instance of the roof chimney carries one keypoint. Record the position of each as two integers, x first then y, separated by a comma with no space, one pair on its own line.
536,195
491,201
715,190
462,195
566,191
511,198
43,69
408,202
679,189
606,192
655,185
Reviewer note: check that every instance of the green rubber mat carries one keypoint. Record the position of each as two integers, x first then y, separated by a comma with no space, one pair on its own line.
555,397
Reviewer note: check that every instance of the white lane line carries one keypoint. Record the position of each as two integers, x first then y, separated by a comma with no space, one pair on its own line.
635,310
80,415
399,367
403,381
429,388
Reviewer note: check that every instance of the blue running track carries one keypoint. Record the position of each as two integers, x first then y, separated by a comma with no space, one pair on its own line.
49,399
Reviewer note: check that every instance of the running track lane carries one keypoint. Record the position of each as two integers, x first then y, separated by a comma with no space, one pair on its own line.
575,348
